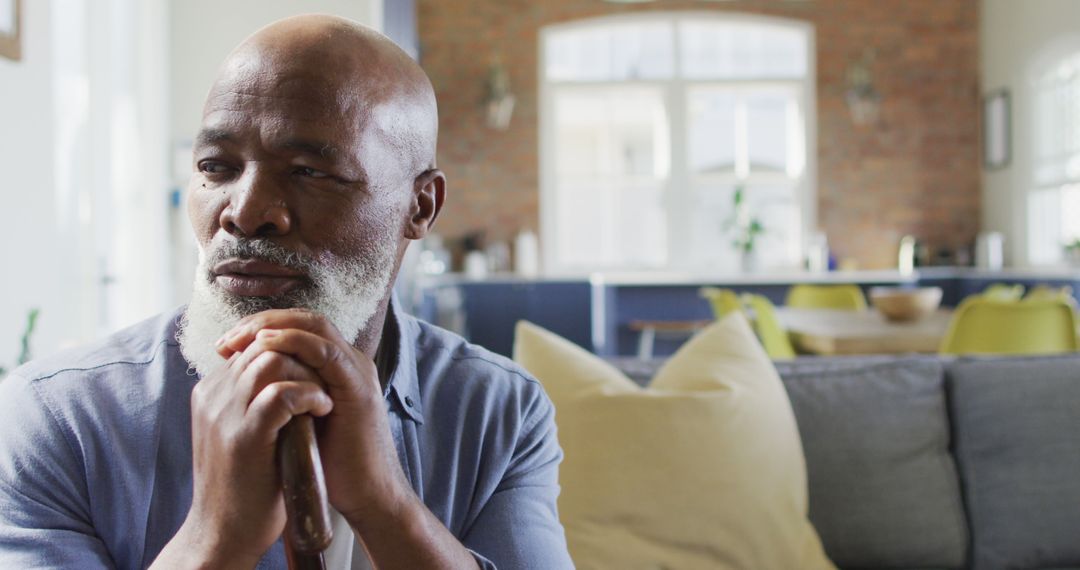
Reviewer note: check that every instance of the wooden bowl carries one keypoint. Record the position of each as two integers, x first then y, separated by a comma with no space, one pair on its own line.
905,304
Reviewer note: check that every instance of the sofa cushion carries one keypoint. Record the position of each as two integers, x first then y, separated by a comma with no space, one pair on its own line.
703,469
884,491
1017,429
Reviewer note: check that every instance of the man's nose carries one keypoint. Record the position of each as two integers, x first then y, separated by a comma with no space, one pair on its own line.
257,206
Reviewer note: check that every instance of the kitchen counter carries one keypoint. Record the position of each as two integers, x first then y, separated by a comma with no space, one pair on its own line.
645,279
666,278
1005,274
595,310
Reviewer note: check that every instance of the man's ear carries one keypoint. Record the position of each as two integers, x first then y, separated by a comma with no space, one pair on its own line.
429,191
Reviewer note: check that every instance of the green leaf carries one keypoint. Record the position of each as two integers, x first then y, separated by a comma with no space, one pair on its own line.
31,321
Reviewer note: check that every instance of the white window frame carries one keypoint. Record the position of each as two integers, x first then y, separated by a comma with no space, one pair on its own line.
1045,196
678,189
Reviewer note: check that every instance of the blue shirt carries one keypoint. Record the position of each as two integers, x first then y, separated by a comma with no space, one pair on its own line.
95,450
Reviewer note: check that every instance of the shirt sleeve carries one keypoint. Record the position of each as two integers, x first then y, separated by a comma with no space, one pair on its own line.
44,507
519,525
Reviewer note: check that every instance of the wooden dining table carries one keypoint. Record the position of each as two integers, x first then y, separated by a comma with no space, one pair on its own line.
836,332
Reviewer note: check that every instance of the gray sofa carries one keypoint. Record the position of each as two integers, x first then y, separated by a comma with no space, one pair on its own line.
921,462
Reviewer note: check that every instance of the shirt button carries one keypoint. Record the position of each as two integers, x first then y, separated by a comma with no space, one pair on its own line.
408,401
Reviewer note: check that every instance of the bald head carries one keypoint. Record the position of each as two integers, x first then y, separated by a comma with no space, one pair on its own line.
316,160
334,69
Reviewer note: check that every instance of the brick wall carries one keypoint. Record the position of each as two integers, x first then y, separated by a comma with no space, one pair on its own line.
916,171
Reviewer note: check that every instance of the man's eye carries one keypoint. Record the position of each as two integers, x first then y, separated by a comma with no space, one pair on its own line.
212,167
309,172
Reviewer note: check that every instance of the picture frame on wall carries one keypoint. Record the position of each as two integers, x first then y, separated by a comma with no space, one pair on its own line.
11,29
997,129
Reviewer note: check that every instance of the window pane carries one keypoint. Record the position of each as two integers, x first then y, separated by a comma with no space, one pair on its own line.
628,50
778,208
774,206
582,219
1045,235
742,50
641,226
769,130
612,154
745,131
713,251
1070,213
619,131
712,131
1057,123
611,223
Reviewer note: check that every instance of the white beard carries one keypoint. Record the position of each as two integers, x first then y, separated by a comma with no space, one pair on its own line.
347,292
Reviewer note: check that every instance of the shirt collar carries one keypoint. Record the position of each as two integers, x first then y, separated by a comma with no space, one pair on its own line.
404,385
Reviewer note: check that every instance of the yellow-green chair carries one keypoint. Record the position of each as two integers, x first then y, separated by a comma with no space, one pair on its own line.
1048,293
768,328
722,301
1003,292
844,297
984,325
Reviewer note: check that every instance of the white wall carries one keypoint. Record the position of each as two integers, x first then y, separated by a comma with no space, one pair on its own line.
1018,38
83,184
202,33
34,240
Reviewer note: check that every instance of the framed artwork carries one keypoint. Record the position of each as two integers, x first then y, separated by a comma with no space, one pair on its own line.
997,130
11,29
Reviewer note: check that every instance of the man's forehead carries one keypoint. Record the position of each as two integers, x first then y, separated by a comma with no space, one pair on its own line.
278,108
308,96
237,110
314,143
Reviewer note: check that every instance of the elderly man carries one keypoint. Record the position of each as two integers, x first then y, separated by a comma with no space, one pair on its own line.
314,168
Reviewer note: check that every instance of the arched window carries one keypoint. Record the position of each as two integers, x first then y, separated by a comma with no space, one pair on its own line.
1055,200
649,124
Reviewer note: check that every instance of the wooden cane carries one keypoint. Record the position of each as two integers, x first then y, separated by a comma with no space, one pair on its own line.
307,529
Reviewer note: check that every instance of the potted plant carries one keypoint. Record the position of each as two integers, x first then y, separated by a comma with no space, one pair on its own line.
745,229
24,352
1072,252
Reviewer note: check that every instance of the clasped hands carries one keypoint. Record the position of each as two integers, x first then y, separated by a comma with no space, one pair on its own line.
280,364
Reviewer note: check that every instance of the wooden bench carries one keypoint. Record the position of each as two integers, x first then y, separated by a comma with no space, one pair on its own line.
648,331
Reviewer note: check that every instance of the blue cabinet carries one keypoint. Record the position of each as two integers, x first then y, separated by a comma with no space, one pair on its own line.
492,310
597,316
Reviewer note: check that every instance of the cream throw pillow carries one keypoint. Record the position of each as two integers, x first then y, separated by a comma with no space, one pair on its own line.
704,469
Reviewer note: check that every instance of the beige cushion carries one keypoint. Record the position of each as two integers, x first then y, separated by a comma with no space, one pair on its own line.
704,469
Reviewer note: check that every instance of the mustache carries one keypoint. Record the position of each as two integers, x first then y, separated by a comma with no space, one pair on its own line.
260,250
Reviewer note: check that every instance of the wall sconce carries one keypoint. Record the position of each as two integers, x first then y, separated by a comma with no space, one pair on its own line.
499,100
863,99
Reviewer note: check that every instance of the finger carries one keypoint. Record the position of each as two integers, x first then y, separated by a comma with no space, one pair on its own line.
211,383
223,351
245,332
341,367
309,348
256,348
268,368
279,402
